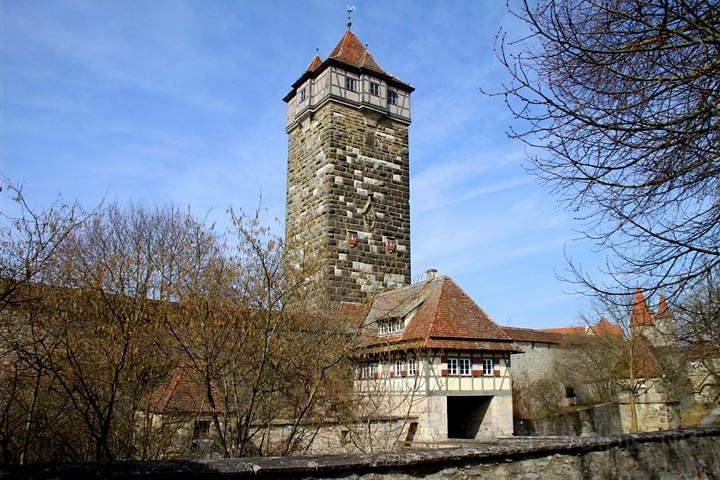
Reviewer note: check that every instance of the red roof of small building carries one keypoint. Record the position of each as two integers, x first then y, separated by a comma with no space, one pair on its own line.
180,394
603,327
439,314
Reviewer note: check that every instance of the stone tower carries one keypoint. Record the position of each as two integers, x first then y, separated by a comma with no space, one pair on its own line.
348,187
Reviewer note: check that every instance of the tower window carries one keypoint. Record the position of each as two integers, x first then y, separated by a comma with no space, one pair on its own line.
392,97
302,95
374,88
351,84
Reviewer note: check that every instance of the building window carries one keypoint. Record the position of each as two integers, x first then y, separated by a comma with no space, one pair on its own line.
392,97
452,366
351,84
302,95
412,367
398,367
488,366
464,366
201,429
372,369
375,89
390,327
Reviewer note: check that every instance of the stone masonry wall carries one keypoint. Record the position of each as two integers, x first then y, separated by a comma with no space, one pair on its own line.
675,454
348,174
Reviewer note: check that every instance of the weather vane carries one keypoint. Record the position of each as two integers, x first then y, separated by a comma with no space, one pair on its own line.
350,9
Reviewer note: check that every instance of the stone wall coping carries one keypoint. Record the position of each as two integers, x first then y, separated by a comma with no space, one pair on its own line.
329,466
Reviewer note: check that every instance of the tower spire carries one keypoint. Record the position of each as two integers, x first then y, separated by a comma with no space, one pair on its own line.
350,9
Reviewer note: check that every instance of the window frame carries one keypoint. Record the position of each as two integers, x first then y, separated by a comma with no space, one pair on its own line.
375,89
464,367
412,367
351,84
303,94
488,362
392,96
452,365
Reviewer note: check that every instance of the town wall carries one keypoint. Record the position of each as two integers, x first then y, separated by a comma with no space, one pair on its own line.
653,455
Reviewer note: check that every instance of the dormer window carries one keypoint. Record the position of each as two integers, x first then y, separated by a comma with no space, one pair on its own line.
391,326
392,97
375,89
302,95
351,84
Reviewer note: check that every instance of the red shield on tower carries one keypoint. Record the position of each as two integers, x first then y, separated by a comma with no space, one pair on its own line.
352,239
390,246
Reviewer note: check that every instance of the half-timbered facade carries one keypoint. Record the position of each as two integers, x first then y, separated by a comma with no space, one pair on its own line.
429,351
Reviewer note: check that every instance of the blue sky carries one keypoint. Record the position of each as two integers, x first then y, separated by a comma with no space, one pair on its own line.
181,101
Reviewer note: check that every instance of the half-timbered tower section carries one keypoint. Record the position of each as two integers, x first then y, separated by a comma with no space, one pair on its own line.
432,354
348,190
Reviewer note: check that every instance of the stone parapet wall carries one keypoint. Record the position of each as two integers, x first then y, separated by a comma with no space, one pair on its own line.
671,454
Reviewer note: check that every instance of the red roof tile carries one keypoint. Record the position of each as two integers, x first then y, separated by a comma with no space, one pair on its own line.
603,327
351,51
530,335
439,313
640,313
314,63
180,394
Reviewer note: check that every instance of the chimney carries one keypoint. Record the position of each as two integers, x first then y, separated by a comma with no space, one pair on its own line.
430,274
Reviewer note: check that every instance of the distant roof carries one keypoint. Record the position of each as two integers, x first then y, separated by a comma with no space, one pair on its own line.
641,314
179,394
603,327
531,335
439,315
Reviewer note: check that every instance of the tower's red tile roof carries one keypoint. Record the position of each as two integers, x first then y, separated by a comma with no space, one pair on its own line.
351,51
640,313
315,63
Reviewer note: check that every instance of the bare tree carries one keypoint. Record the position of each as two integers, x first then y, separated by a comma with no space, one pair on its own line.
254,329
29,243
614,367
619,104
698,332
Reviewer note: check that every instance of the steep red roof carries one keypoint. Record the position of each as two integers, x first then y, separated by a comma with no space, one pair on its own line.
314,63
640,313
604,327
180,394
351,51
438,313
